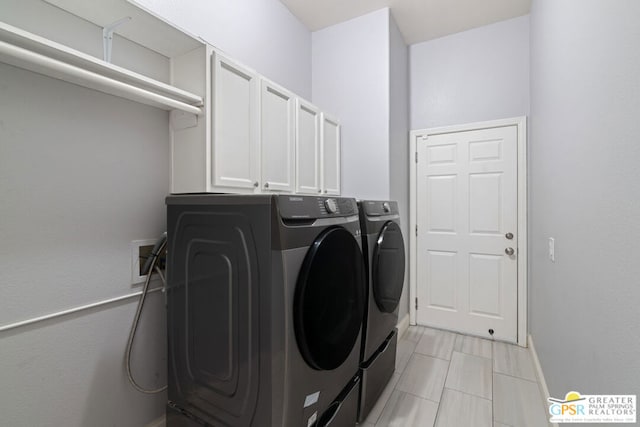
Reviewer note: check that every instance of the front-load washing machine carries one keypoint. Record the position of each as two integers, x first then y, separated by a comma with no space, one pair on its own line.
383,248
265,301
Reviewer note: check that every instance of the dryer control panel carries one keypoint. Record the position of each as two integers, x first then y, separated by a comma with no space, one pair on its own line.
300,207
379,207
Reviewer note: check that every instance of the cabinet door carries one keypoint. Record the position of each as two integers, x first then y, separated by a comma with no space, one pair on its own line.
235,149
277,136
307,148
330,133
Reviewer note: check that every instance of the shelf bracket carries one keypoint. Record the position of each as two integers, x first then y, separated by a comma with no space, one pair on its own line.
182,120
107,37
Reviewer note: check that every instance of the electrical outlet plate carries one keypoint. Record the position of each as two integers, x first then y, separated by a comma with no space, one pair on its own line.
139,248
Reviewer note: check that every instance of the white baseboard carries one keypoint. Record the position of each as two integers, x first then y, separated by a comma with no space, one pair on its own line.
159,422
544,390
403,325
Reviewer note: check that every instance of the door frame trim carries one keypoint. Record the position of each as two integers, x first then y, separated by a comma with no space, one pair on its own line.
521,124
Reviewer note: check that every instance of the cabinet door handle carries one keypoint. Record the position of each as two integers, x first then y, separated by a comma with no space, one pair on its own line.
266,185
255,184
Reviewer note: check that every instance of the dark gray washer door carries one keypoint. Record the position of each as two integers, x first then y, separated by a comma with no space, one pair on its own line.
329,299
388,267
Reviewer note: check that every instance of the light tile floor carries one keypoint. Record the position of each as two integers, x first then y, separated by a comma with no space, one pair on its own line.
445,379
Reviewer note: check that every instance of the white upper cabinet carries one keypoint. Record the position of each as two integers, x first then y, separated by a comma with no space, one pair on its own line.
277,138
307,148
330,137
254,136
235,147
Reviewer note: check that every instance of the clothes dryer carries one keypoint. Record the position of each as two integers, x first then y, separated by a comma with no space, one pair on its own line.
265,302
383,247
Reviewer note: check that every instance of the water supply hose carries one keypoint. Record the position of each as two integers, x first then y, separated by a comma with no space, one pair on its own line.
150,268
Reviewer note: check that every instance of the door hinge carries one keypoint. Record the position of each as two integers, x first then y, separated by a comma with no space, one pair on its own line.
416,230
416,157
416,303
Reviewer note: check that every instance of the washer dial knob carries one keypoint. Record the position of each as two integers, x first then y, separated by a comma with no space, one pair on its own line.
386,207
331,205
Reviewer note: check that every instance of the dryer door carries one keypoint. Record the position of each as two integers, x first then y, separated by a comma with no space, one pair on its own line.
388,267
329,299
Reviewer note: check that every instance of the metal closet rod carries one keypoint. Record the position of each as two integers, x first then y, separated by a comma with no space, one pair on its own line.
27,322
52,67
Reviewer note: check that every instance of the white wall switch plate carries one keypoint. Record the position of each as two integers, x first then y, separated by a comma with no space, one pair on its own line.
552,249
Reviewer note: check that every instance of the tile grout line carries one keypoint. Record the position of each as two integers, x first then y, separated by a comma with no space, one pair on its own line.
468,394
474,355
493,386
484,359
385,404
434,357
418,396
435,421
516,377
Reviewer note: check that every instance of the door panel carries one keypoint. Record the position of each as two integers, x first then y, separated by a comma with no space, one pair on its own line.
330,155
486,271
441,204
485,200
307,148
441,267
235,125
277,138
467,202
441,154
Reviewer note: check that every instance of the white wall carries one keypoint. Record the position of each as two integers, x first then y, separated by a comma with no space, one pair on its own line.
262,34
399,139
585,192
480,74
351,79
82,174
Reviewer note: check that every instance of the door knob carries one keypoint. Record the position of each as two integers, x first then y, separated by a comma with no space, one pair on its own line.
509,236
509,251
255,184
266,185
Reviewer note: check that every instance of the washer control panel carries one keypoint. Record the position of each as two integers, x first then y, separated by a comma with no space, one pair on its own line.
331,205
299,207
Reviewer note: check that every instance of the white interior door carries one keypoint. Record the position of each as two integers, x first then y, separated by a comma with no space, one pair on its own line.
467,207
